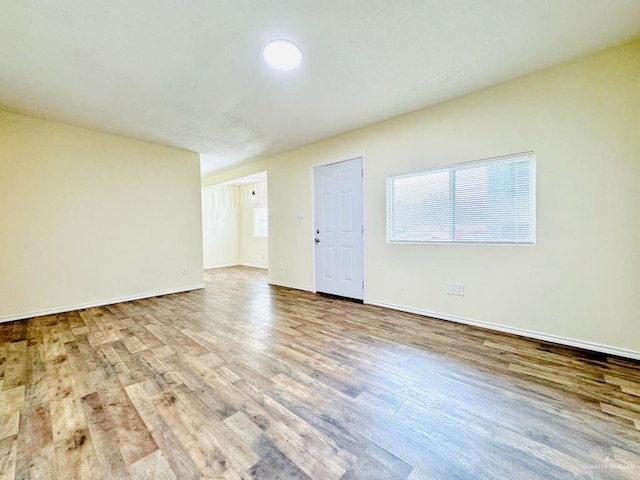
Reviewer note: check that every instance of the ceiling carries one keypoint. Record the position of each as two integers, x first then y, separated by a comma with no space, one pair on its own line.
191,75
257,177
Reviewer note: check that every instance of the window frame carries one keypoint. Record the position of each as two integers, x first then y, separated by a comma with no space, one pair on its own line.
256,222
506,159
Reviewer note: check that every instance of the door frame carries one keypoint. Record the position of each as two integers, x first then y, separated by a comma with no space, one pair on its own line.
312,236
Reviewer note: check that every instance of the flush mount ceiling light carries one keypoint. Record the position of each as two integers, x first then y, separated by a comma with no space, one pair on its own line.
282,54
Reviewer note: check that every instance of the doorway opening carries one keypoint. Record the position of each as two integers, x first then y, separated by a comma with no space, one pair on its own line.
235,223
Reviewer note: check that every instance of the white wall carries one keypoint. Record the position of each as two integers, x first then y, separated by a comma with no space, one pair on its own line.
578,283
88,218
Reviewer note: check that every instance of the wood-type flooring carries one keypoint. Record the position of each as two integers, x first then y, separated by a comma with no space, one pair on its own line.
245,380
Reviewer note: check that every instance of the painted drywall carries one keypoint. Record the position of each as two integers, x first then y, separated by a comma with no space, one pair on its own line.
580,280
89,218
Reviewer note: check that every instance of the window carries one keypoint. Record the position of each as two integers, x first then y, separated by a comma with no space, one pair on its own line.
490,201
260,221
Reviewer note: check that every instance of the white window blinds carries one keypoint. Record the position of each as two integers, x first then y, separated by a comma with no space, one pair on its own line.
490,201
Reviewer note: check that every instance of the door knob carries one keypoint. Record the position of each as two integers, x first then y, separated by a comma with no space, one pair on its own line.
317,240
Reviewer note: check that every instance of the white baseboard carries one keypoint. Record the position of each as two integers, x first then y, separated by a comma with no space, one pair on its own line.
289,285
222,265
252,265
227,265
596,347
101,303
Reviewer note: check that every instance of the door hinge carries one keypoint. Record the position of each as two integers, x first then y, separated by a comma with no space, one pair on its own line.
362,173
363,284
362,228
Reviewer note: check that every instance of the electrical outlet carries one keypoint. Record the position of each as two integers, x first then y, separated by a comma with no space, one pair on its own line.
451,289
459,289
185,271
281,266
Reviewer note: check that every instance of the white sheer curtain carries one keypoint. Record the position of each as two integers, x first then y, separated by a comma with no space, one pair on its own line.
220,208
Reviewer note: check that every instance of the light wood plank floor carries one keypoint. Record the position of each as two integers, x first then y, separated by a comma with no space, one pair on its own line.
244,380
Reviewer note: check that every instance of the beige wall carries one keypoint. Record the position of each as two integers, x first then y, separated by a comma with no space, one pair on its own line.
578,283
89,218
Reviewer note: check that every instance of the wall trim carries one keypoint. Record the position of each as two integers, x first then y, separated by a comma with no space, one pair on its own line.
596,347
289,285
101,303
253,265
222,265
227,265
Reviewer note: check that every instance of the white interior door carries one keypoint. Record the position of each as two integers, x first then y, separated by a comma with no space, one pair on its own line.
339,230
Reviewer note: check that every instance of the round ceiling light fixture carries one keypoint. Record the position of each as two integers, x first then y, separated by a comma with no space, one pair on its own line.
282,54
